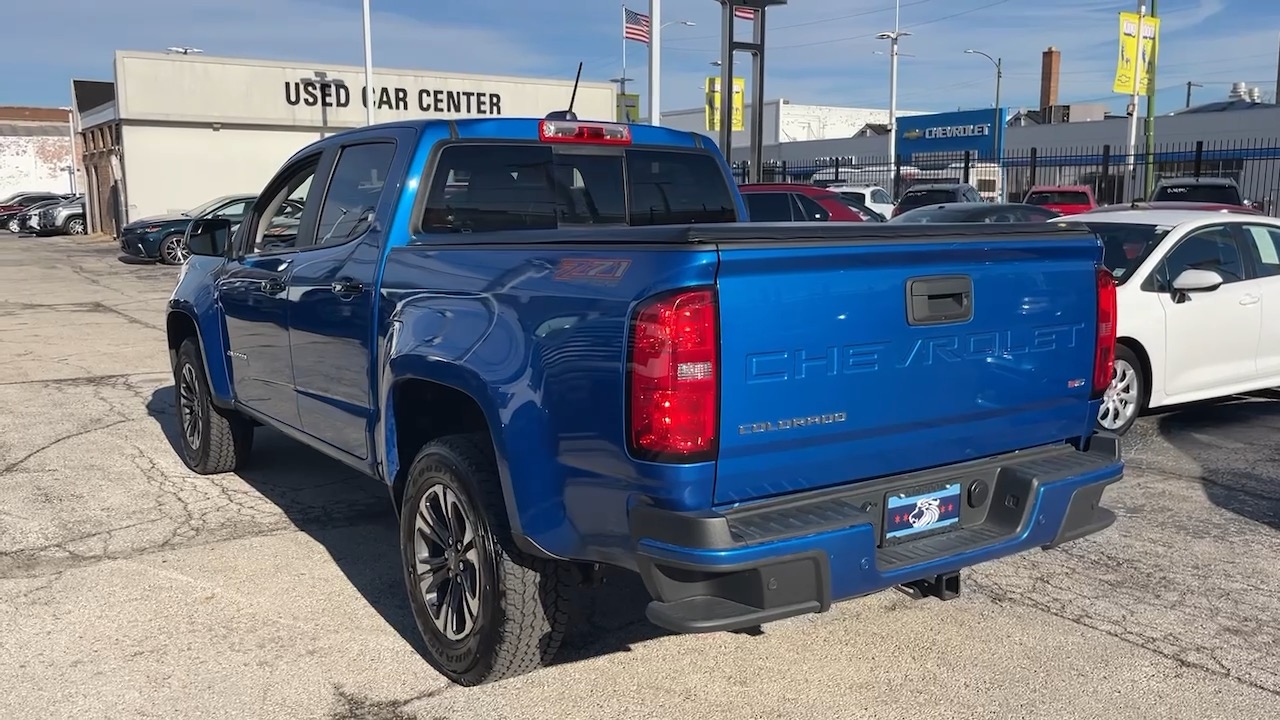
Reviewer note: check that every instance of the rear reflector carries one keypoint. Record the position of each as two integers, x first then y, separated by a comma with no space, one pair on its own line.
1105,358
672,380
573,131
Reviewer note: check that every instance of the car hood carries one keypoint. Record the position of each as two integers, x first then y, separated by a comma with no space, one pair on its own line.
157,220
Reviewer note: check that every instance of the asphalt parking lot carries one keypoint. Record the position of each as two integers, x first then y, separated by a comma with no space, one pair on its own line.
130,587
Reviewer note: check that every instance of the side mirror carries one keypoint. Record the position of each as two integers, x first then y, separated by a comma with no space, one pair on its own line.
208,237
1195,280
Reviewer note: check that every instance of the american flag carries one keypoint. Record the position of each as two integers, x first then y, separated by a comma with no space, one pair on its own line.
744,13
635,26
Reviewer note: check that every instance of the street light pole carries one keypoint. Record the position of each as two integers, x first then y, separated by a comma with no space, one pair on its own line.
1189,86
369,97
998,126
655,62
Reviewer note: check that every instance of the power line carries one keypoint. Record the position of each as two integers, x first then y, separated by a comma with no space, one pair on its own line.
870,35
823,21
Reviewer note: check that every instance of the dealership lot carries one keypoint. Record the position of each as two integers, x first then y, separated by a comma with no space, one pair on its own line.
130,587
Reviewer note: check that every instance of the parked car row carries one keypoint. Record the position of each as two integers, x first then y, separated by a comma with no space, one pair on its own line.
162,238
43,213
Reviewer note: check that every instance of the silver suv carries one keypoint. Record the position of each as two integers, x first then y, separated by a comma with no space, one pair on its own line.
64,219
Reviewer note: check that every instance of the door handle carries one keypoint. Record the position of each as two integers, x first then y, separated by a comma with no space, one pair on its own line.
346,286
273,286
1249,300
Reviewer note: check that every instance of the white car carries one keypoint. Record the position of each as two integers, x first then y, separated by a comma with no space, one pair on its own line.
1198,307
873,196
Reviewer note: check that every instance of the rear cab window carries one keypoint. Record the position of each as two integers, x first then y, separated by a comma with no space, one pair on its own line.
920,198
1221,194
494,186
1058,197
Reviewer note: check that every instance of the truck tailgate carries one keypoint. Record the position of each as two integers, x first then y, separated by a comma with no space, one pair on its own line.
852,359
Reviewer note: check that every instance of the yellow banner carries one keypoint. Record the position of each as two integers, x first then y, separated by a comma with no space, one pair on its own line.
1137,58
739,110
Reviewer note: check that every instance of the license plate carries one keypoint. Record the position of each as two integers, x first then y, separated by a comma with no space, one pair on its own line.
916,512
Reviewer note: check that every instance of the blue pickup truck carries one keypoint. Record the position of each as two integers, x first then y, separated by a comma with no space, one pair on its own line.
562,347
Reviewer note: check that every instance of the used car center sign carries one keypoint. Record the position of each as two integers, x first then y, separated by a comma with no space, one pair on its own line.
337,94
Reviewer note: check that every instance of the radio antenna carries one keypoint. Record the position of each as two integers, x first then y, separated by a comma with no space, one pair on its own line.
568,114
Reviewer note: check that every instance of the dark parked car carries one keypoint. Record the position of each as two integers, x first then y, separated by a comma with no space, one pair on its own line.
160,237
793,202
19,203
974,212
935,193
1212,190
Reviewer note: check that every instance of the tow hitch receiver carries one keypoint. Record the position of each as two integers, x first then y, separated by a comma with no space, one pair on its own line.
943,587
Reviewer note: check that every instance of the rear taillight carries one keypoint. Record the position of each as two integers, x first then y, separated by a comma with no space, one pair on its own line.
1105,355
672,378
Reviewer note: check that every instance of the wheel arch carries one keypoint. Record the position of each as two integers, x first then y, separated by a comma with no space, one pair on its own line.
1144,359
180,326
424,400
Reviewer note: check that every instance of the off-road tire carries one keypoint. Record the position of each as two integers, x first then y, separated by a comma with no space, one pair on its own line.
226,435
524,602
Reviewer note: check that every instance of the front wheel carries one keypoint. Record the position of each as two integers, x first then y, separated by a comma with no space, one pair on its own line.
213,440
486,610
172,250
1126,397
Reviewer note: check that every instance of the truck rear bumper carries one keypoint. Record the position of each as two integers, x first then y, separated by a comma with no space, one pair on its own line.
798,554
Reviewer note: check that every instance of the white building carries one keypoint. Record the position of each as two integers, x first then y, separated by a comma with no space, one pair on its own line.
785,121
182,129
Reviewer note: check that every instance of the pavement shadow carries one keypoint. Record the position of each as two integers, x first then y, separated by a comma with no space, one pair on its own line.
1234,444
351,517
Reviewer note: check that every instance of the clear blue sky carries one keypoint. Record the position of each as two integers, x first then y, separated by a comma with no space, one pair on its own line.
821,51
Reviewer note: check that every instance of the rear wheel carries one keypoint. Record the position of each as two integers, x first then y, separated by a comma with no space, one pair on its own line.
486,610
75,226
1126,398
14,226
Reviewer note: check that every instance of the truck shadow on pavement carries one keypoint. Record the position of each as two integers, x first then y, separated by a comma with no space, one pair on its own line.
351,517
1234,443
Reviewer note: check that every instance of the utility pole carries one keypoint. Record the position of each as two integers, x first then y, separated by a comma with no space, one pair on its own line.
997,128
1149,127
1189,86
1131,166
369,64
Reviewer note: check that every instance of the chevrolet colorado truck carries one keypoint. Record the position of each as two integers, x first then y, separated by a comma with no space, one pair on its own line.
562,347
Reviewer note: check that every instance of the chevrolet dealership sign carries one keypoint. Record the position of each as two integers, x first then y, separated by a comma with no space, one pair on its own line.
968,131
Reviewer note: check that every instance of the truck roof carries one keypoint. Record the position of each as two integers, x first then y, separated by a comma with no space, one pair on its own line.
527,129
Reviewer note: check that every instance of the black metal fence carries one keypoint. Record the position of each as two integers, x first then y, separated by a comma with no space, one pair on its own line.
1109,170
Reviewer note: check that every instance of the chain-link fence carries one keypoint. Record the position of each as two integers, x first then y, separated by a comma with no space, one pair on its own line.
1253,164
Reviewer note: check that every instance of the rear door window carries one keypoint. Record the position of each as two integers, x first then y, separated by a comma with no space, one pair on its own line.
497,187
1264,242
769,206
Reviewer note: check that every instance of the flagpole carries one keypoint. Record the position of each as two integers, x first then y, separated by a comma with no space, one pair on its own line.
622,82
655,62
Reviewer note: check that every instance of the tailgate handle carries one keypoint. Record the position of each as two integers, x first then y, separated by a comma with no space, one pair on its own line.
941,299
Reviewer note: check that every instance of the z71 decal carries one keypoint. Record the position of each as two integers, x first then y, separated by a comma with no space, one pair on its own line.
598,270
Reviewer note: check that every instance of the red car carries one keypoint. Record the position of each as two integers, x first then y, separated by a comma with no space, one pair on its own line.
1062,199
793,202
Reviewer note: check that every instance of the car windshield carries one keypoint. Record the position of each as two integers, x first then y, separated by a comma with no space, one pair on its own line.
935,215
919,198
1224,194
1126,245
1058,197
201,210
